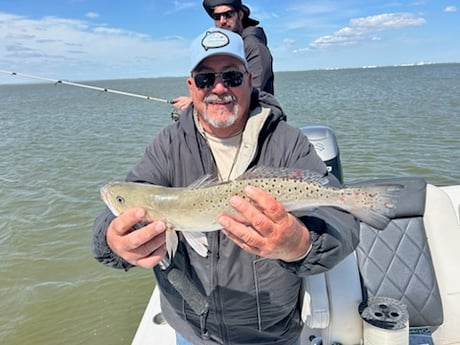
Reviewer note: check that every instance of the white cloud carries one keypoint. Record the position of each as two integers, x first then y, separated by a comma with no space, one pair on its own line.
450,9
76,49
183,5
365,28
92,15
289,41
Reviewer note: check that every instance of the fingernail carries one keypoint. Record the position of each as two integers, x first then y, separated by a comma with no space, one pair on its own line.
223,221
140,213
159,226
249,190
235,201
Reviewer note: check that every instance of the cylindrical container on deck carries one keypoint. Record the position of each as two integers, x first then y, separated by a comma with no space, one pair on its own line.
385,322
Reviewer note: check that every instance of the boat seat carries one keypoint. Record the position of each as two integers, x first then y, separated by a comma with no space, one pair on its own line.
454,194
408,261
412,261
397,262
443,234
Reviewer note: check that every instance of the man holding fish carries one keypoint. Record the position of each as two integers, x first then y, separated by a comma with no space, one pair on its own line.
249,273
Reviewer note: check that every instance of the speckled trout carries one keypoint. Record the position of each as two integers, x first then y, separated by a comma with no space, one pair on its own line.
196,208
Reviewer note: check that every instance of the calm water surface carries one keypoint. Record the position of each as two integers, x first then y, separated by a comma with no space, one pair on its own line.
59,144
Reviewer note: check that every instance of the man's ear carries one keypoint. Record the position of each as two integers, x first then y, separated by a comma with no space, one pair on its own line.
250,78
190,85
241,15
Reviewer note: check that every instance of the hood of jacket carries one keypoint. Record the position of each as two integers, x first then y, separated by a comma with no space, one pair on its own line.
256,32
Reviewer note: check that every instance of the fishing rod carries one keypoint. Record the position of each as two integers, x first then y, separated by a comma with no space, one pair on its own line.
103,89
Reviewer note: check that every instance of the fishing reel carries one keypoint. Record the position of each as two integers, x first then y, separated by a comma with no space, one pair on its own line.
175,115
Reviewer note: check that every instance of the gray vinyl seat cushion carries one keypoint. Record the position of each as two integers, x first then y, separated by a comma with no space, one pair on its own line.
397,262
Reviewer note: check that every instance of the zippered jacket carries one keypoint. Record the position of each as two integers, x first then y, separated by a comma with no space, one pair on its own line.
252,300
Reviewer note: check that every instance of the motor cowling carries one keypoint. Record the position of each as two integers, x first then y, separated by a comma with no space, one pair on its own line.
325,142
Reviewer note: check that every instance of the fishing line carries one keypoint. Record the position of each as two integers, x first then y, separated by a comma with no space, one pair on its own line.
103,89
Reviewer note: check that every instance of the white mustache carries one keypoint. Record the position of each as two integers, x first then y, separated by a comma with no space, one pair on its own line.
213,98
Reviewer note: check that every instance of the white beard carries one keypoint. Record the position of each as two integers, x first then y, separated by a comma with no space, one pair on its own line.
218,122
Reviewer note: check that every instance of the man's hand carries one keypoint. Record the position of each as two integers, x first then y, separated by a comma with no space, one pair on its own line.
265,228
144,247
181,102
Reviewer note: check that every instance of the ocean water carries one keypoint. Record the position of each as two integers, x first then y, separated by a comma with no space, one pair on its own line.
60,143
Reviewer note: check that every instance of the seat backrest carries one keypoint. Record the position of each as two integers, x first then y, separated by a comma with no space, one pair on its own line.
397,262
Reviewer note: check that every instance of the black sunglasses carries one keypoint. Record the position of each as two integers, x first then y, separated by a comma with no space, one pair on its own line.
207,79
227,15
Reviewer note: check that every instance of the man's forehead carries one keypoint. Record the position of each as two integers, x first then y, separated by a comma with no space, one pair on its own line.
223,8
219,61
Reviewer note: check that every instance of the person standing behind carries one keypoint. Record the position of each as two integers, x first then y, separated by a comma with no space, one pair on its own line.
234,16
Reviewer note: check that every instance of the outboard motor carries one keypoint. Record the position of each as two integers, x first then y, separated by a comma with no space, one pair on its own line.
325,143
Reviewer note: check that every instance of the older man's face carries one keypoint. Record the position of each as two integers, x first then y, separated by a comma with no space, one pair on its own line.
221,92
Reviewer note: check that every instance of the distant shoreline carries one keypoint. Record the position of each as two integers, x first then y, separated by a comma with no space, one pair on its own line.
23,81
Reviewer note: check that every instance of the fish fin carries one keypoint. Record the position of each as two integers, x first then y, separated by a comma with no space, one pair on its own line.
204,181
198,241
172,241
382,209
289,173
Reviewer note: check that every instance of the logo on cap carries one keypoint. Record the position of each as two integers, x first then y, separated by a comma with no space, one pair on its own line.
214,39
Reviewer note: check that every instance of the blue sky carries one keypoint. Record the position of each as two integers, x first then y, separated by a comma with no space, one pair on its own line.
110,39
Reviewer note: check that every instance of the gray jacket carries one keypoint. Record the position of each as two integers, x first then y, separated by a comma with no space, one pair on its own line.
252,300
260,60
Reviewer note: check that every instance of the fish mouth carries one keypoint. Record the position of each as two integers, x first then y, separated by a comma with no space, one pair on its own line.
105,196
103,191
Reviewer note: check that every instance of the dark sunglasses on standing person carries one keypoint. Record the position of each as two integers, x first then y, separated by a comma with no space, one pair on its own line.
206,80
227,15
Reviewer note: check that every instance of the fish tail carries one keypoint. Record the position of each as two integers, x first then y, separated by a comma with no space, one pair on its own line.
379,206
172,241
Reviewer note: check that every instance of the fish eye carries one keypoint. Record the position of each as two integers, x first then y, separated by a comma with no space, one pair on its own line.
120,199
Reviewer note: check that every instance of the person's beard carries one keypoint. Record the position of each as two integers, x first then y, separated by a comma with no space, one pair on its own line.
216,121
